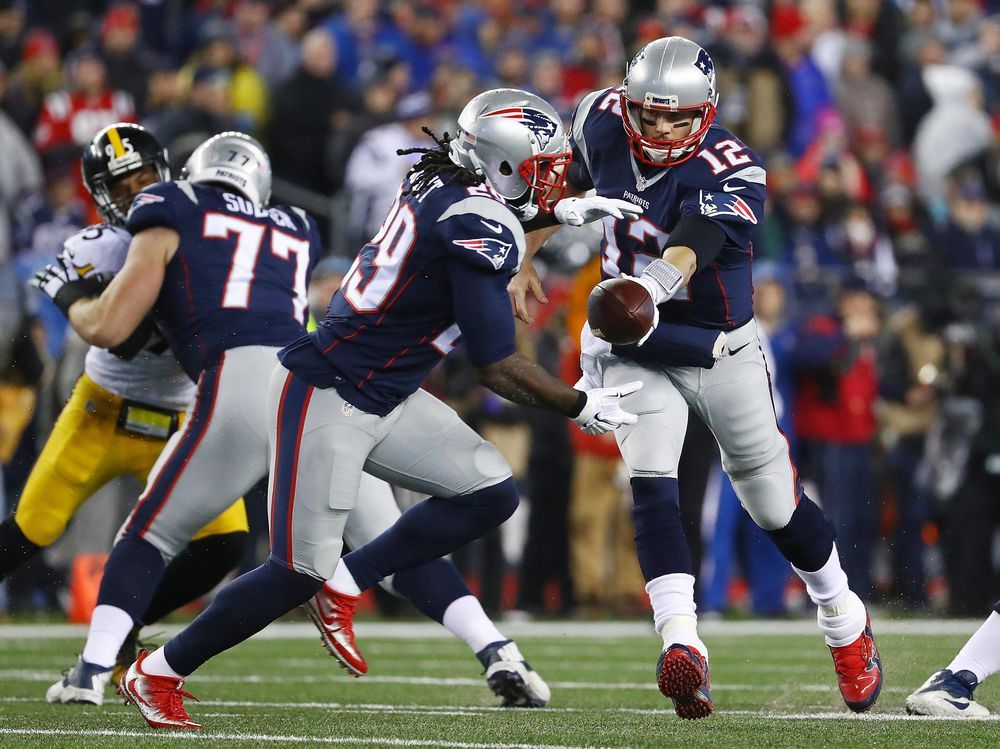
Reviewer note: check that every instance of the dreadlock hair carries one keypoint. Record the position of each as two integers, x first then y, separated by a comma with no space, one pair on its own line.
436,162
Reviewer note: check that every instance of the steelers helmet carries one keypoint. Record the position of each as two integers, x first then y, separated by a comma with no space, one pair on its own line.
117,150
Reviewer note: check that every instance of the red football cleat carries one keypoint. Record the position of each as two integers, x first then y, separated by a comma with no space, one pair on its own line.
859,670
160,699
333,614
682,675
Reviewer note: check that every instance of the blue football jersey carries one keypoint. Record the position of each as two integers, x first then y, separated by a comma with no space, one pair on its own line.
436,272
239,275
724,180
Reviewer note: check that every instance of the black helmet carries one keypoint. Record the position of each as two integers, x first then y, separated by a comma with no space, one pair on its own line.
116,150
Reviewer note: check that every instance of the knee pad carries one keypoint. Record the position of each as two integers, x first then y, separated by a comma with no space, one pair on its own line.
766,486
807,540
42,526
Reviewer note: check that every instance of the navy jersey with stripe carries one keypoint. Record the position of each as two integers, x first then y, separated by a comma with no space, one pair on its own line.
435,272
239,275
724,180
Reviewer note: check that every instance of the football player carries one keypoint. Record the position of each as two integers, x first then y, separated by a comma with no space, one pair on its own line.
347,397
208,312
949,692
125,406
654,141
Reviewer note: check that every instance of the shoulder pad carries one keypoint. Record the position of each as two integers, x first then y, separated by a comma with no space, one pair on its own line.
102,247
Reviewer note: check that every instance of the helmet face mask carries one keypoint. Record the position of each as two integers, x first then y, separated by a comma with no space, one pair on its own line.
117,155
515,140
234,161
671,74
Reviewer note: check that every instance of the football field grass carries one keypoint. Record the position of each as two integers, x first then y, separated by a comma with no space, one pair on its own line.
773,685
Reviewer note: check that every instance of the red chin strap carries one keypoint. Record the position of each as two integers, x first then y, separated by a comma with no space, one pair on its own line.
678,150
546,175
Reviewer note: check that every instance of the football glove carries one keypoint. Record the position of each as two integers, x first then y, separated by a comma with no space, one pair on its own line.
63,282
580,211
603,412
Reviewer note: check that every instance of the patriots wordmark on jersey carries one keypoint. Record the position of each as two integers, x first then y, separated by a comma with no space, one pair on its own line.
724,180
435,273
239,275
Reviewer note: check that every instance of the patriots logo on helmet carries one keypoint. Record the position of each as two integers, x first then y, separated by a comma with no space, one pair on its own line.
537,122
705,65
494,250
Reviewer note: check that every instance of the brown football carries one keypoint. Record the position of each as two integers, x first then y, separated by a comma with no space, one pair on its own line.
620,310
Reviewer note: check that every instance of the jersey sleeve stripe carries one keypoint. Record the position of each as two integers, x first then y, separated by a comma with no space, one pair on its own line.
586,104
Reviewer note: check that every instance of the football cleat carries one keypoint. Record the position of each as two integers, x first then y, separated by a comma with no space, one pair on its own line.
160,699
333,614
511,678
84,683
682,675
859,670
126,656
946,694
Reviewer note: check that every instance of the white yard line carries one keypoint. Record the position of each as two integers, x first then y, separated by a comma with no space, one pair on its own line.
478,711
274,738
422,630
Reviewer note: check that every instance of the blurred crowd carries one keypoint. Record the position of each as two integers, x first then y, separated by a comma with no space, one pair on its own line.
877,265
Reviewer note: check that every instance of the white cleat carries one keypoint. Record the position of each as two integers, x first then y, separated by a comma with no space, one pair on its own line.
947,695
84,683
511,678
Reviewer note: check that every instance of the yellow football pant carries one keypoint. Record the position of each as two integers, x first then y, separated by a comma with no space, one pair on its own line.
86,450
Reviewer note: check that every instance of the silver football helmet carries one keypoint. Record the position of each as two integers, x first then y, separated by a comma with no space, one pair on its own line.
515,140
671,74
233,159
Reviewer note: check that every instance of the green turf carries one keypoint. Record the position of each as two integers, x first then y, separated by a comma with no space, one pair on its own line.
271,693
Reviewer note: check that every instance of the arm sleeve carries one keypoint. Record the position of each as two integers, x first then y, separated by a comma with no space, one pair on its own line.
483,313
701,234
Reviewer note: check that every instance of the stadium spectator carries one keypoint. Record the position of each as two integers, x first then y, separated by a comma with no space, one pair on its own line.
836,365
206,111
128,66
20,173
263,44
12,31
305,110
33,80
970,237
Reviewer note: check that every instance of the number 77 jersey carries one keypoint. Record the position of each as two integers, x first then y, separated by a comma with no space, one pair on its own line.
239,275
723,180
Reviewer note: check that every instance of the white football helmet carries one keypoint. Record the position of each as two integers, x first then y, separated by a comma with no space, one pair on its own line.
515,140
233,159
671,74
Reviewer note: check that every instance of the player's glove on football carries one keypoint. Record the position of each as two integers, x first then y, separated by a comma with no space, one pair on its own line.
579,211
62,282
603,412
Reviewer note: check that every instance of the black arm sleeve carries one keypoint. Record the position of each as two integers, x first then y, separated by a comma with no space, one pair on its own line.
132,345
701,234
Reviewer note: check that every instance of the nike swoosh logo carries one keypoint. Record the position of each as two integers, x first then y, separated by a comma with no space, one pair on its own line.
871,682
734,351
495,228
959,705
729,188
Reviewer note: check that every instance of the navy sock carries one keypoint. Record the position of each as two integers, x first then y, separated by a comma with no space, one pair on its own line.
430,530
807,540
431,587
244,607
15,548
195,571
131,576
660,543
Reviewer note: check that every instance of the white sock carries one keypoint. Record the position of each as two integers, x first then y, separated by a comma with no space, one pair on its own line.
843,623
156,665
827,586
343,581
109,626
466,619
674,617
981,654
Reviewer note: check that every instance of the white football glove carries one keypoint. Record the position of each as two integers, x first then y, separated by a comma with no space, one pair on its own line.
603,412
580,211
63,282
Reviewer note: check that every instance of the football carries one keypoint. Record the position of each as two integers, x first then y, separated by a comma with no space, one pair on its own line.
620,310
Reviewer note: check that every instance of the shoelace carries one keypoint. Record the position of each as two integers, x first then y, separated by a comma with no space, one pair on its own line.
842,660
344,610
174,697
